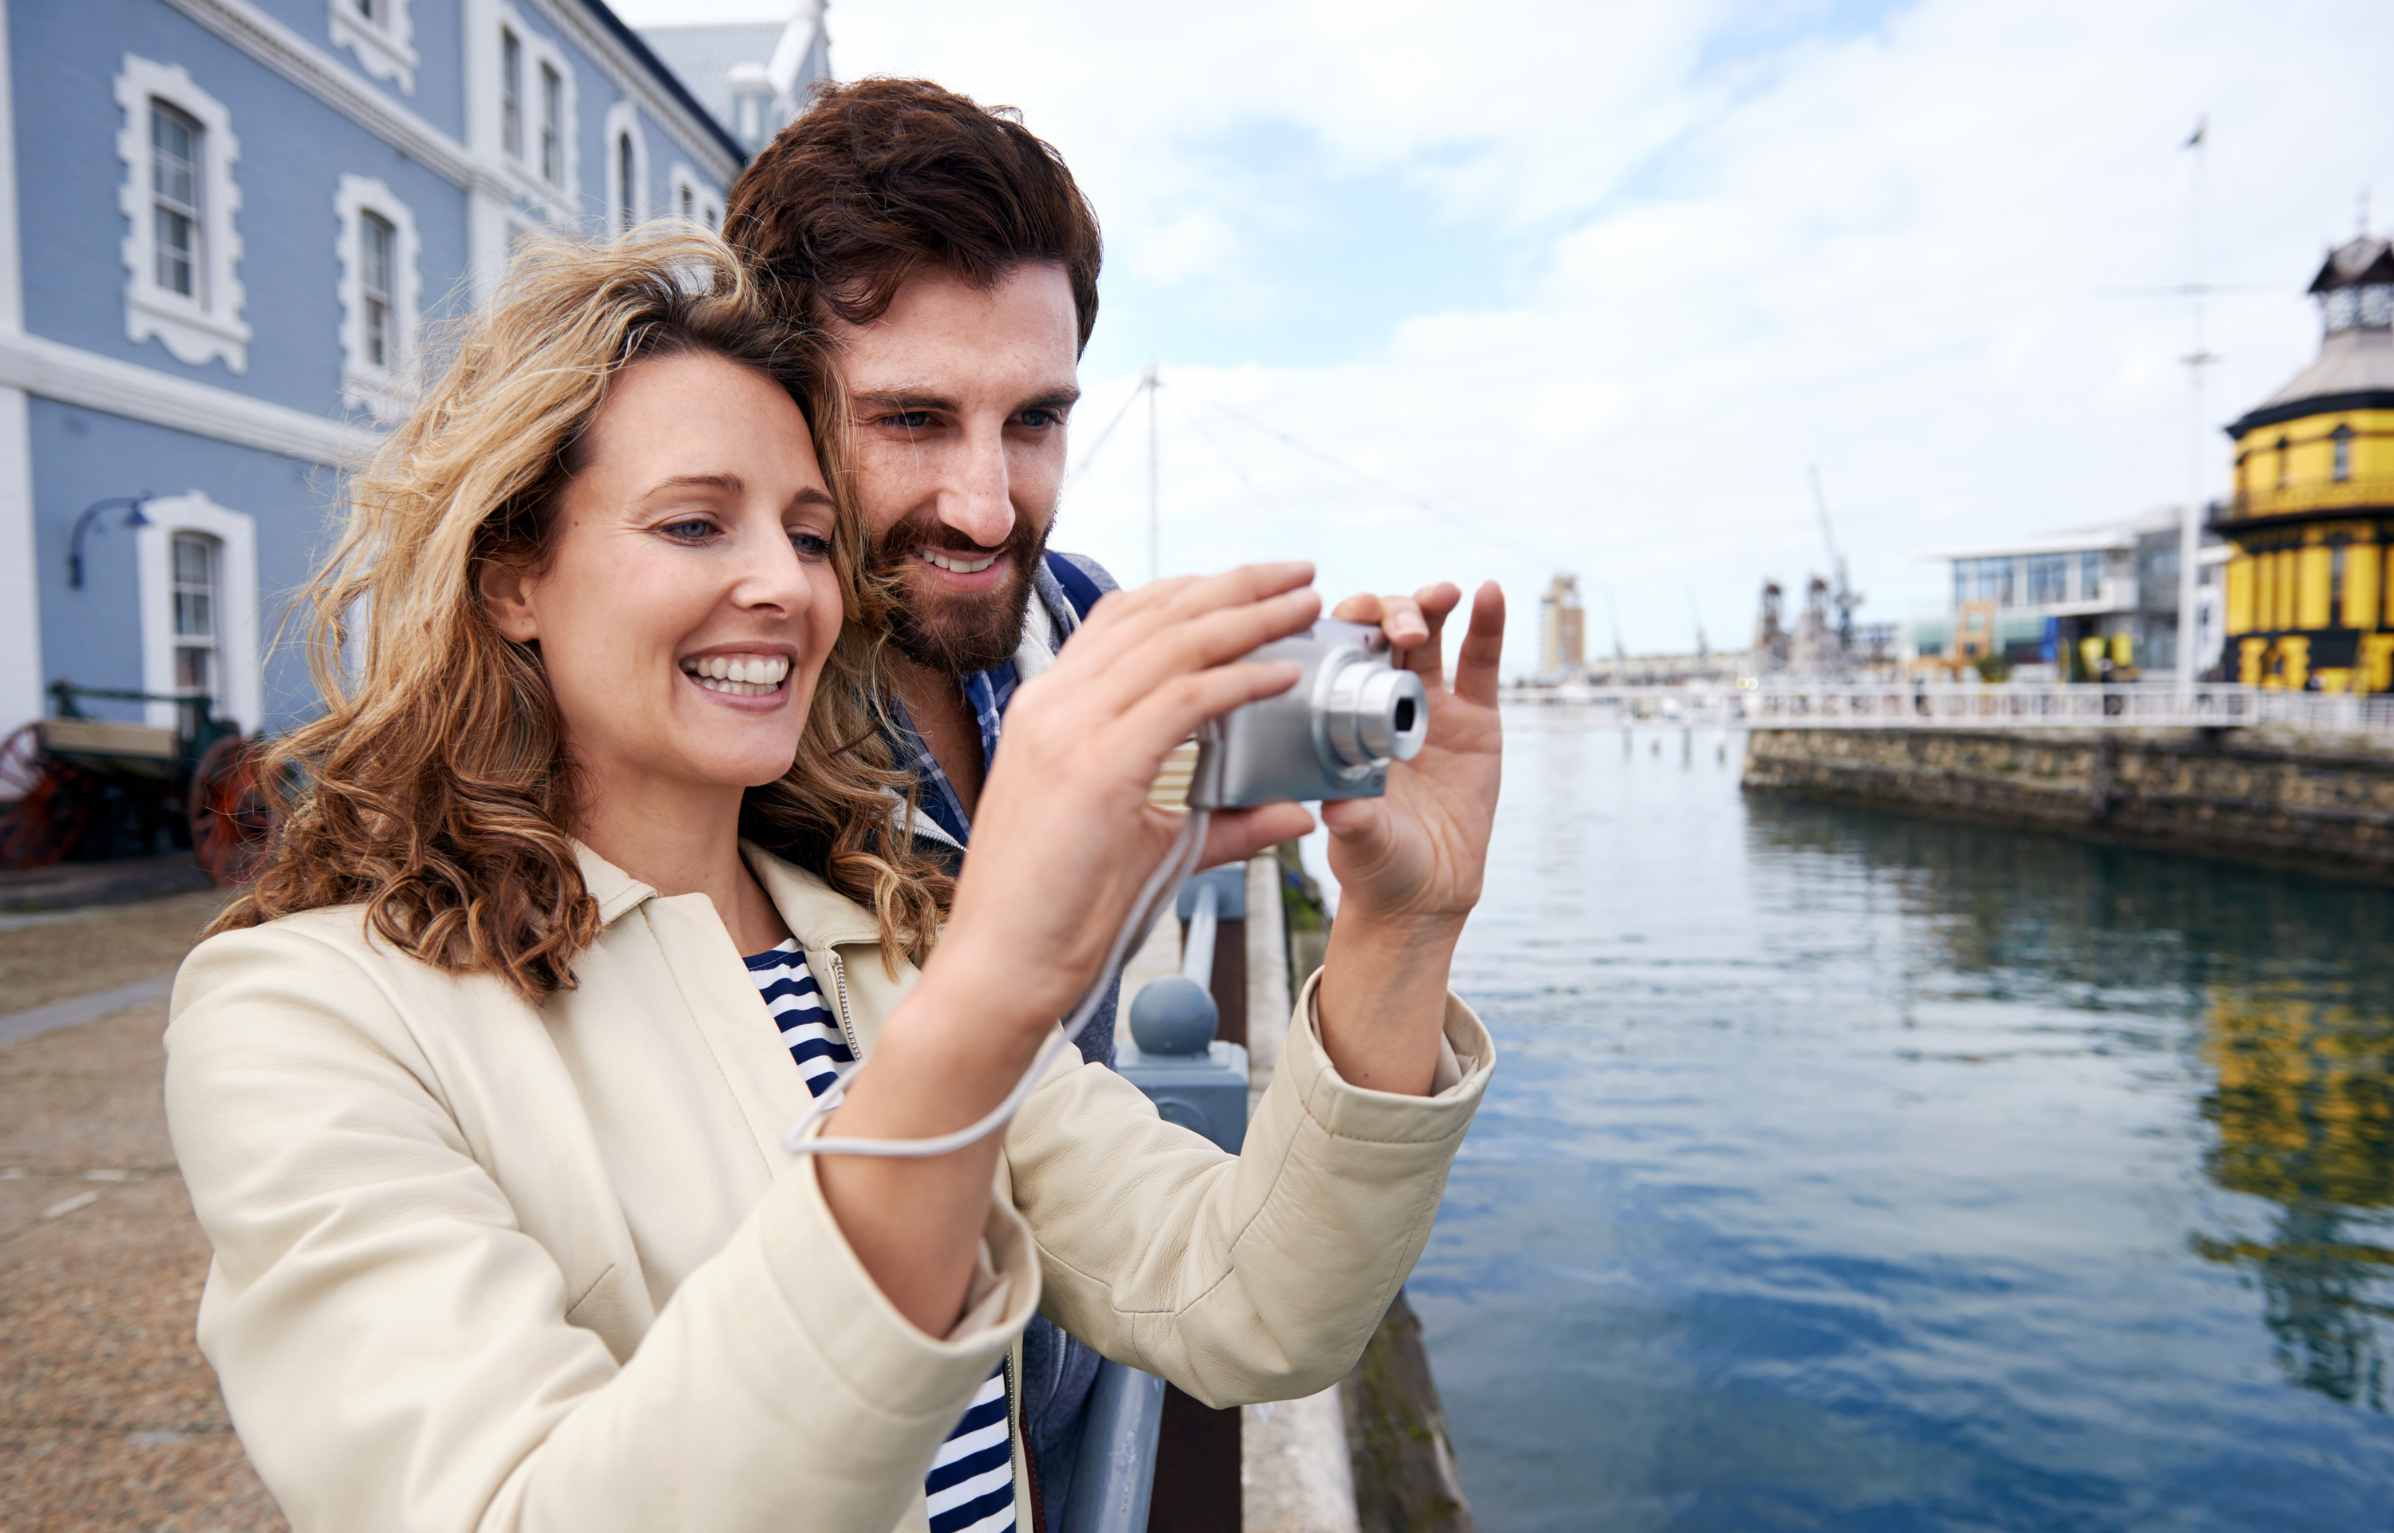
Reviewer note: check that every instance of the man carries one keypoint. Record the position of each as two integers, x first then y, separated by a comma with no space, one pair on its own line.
953,261
951,258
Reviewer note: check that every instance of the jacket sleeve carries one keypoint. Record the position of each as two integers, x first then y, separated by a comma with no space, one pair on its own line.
395,1349
1258,1276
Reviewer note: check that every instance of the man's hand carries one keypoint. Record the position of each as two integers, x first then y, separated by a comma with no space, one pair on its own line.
1413,860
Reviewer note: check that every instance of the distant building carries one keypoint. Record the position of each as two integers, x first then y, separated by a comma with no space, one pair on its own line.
1562,629
753,76
2092,602
223,225
2313,516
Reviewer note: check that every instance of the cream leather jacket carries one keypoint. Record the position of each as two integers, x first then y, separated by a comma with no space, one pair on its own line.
485,1265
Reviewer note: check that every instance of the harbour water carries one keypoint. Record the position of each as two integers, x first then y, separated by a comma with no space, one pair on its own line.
1873,1173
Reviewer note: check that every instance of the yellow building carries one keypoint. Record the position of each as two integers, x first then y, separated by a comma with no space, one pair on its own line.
2312,520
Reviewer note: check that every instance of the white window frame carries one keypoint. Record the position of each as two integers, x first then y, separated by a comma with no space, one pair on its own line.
195,330
684,187
385,47
623,126
382,392
240,692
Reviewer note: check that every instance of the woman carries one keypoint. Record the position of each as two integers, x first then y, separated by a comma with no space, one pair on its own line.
481,1092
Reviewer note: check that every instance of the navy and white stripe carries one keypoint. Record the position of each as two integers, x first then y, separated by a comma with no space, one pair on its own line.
970,1488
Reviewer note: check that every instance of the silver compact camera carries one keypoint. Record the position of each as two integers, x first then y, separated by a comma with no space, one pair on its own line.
1330,736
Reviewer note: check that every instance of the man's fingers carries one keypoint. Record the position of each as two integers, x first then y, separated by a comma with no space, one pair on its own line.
1426,657
1483,646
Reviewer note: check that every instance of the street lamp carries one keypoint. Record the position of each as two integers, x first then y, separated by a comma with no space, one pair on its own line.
133,518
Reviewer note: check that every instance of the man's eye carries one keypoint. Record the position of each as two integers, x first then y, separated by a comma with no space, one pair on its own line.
1040,418
907,420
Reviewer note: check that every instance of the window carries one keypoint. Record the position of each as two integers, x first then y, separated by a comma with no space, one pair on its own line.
199,608
689,208
2048,580
689,200
552,125
380,291
2335,584
181,249
627,168
176,157
382,36
1961,582
193,571
2090,577
375,240
2342,440
2285,458
511,92
531,110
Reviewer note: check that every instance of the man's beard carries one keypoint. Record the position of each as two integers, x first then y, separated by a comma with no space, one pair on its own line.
958,634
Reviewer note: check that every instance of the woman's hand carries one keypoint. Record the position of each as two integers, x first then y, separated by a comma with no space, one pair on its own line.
1064,836
1412,861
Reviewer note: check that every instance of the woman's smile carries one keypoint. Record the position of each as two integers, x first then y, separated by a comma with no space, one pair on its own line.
754,680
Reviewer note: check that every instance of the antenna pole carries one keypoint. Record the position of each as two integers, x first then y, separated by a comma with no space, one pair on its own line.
2190,528
1155,562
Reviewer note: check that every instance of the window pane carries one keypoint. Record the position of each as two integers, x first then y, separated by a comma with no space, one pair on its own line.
376,238
511,91
378,332
623,180
552,93
177,272
689,204
195,669
192,564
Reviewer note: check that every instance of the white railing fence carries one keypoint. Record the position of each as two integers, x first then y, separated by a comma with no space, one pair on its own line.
2146,705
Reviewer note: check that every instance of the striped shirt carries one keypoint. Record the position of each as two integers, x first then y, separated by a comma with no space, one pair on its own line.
970,1488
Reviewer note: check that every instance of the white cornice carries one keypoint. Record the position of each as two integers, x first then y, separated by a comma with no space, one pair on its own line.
75,377
304,64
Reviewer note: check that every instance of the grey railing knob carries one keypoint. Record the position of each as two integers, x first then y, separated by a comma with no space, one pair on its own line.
1173,1015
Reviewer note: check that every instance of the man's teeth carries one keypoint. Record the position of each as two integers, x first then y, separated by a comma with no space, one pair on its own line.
954,565
739,675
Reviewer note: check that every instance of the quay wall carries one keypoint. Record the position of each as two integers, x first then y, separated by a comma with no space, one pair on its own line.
2322,804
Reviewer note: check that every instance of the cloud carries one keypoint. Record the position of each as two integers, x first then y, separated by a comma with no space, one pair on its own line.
1588,289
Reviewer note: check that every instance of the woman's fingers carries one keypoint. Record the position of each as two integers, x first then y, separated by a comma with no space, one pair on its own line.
1399,617
1237,834
1199,642
1427,659
1169,714
1166,603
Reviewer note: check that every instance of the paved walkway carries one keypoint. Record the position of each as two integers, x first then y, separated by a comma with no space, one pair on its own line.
109,1418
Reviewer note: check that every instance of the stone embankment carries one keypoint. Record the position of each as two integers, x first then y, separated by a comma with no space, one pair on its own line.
2320,804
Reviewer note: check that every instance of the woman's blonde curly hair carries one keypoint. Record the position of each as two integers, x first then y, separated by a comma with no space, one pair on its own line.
435,788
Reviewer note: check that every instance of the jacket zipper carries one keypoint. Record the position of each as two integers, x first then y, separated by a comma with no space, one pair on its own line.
839,983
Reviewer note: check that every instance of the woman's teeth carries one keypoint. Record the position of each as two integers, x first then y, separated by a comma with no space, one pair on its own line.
739,675
956,566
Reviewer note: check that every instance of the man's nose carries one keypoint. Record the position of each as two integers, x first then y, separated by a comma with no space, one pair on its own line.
979,500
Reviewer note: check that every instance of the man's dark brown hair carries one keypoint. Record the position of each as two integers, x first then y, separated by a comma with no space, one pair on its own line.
880,179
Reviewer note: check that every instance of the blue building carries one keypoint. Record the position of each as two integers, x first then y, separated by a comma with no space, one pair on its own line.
224,225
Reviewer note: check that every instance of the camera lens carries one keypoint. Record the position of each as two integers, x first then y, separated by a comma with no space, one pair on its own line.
1372,713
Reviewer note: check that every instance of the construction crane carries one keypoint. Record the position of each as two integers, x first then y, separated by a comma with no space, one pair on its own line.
1843,596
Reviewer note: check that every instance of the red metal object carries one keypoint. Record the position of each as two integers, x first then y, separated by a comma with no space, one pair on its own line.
45,804
229,813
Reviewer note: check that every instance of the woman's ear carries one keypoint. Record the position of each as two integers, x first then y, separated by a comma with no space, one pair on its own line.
507,596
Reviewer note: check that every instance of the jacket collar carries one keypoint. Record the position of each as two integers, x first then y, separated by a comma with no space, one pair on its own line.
816,913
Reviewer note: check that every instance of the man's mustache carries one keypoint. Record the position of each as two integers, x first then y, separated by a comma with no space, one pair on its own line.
908,538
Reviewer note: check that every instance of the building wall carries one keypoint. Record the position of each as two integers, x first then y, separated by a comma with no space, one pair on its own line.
2308,590
2274,480
86,412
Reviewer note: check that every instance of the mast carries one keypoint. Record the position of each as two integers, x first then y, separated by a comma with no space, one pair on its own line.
1155,564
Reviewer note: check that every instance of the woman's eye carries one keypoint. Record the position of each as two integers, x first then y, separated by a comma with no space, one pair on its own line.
691,529
810,545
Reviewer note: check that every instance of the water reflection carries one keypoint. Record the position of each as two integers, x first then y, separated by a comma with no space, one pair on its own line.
2292,988
2304,1109
1854,1171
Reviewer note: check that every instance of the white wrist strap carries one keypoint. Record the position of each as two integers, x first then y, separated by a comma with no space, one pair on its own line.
1161,886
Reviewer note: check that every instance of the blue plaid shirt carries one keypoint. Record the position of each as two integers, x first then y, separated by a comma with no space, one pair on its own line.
987,693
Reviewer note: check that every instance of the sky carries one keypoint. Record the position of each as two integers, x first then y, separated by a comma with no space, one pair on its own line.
1539,286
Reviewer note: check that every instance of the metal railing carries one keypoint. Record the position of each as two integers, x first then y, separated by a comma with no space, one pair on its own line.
2143,705
1200,1083
2312,495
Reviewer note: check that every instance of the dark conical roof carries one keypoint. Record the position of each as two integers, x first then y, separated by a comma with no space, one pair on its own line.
2365,258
